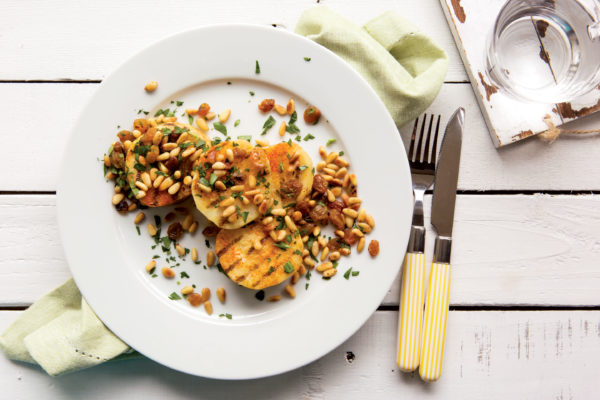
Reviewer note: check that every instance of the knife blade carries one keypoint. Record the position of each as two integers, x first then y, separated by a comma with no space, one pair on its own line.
446,179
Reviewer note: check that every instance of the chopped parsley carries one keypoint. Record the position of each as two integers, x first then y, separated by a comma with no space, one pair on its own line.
137,228
184,274
308,137
291,125
179,103
190,119
251,93
341,153
236,123
269,123
257,68
174,296
331,141
282,246
281,166
228,316
220,127
245,137
307,59
288,267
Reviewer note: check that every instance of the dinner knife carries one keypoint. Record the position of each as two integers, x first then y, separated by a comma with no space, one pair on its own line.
442,218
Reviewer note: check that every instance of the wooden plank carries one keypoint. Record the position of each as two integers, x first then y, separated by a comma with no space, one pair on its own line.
493,355
507,250
46,113
114,30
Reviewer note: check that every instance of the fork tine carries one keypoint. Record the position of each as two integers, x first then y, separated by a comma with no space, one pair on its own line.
418,157
435,140
411,151
427,141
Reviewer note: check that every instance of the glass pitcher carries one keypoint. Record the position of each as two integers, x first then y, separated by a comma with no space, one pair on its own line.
546,50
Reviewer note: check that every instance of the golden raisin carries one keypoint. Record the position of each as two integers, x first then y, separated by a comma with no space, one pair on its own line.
195,299
374,248
203,109
266,105
312,115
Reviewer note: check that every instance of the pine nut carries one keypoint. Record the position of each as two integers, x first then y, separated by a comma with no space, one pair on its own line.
291,106
210,115
296,216
139,218
341,173
364,227
353,179
188,152
331,157
258,199
315,248
322,152
219,165
151,229
151,86
252,192
362,214
334,256
196,155
309,262
342,162
117,198
273,235
187,181
210,258
204,188
229,155
183,137
158,136
193,227
316,231
346,181
274,298
150,266
257,244
264,206
220,157
330,272
191,111
267,220
163,168
324,266
349,222
227,202
228,211
262,143
322,241
281,235
324,253
158,181
333,167
205,293
187,222
282,128
201,122
141,186
345,198
168,272
166,184
175,152
279,212
168,146
224,115
118,189
337,191
350,212
220,185
358,232
251,181
163,156
180,250
330,196
361,244
140,195
146,179
107,161
237,188
304,238
328,178
295,278
370,221
345,251
290,224
301,269
187,290
174,188
194,254
221,294
321,165
208,307
339,233
290,291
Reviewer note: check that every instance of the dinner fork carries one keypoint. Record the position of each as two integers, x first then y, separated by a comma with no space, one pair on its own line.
422,168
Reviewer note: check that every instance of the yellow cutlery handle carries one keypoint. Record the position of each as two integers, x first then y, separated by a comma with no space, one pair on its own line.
411,311
434,325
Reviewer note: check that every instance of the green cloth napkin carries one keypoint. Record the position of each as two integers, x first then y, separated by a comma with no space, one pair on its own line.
405,67
61,333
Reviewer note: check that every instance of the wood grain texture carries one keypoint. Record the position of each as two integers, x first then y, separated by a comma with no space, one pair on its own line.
507,250
492,355
87,40
47,113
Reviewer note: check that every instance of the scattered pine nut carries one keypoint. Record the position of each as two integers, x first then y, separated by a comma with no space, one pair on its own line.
282,128
291,106
221,294
193,227
187,290
274,298
324,253
210,258
330,272
168,272
150,266
195,299
290,291
361,245
194,254
224,116
117,198
280,109
205,293
180,250
370,221
151,229
324,267
151,86
208,307
139,218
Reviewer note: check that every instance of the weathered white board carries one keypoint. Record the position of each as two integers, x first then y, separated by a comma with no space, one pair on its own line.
45,114
488,355
507,250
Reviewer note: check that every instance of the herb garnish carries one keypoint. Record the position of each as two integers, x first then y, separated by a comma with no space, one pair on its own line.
288,267
228,316
220,127
307,59
268,125
308,137
257,68
174,296
236,123
245,137
331,141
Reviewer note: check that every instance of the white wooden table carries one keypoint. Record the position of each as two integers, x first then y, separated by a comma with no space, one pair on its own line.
525,299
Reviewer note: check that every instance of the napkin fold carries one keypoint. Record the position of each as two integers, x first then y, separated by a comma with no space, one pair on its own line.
61,333
405,67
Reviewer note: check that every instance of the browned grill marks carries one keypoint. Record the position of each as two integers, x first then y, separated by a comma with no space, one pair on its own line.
226,248
233,265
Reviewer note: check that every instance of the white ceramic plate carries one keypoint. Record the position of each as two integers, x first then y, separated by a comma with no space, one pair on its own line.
107,256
